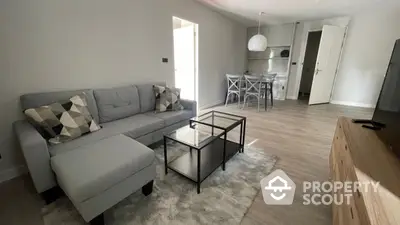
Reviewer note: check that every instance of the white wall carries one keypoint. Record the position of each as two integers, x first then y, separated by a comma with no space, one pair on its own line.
369,44
48,45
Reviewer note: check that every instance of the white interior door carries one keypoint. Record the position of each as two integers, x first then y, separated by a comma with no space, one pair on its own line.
327,61
184,58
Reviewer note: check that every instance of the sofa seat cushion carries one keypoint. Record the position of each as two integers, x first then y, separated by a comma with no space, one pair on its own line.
81,141
91,169
172,117
135,126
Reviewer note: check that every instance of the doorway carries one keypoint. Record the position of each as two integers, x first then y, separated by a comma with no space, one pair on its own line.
186,57
310,60
323,74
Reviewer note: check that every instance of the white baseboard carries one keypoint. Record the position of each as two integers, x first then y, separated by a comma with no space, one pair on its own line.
356,104
11,173
211,105
291,97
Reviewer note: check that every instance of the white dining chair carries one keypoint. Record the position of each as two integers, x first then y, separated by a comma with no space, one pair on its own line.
234,87
253,89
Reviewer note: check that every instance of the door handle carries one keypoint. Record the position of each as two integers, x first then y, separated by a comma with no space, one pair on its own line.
316,69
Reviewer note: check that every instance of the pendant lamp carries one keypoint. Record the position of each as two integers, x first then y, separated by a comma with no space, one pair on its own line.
258,43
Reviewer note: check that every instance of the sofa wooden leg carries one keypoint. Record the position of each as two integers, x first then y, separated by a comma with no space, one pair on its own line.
148,188
52,195
98,220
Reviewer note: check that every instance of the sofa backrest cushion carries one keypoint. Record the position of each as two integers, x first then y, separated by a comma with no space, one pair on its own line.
147,96
36,100
117,103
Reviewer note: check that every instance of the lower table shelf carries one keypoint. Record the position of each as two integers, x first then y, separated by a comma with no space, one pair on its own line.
211,159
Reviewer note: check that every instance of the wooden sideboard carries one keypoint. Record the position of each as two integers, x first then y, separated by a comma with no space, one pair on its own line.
358,154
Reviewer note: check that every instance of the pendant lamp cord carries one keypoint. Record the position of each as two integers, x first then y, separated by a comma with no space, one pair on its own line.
259,22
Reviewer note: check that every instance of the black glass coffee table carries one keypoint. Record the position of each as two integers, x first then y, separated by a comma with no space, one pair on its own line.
206,134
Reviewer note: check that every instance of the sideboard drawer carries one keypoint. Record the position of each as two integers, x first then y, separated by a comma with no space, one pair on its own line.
339,214
358,199
351,213
340,161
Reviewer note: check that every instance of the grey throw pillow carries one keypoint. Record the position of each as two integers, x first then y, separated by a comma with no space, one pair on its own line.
64,121
167,99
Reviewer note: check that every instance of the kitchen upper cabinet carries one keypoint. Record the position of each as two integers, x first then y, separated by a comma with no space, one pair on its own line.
280,35
277,36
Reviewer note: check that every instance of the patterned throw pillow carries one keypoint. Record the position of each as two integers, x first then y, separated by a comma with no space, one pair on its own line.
167,99
64,121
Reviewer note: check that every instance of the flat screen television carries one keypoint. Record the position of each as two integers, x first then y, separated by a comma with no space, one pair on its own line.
387,112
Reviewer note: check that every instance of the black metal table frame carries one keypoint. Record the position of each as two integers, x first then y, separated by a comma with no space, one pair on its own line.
192,124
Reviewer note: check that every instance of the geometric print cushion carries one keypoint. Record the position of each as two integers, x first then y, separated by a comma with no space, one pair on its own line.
167,99
64,121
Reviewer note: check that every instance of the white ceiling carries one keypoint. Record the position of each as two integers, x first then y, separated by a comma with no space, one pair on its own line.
286,11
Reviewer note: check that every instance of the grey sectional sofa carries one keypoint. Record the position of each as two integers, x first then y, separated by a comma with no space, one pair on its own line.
127,110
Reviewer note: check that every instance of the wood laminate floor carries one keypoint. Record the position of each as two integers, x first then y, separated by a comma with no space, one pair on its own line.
300,135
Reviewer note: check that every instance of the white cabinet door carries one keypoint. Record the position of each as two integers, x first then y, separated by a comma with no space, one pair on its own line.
327,61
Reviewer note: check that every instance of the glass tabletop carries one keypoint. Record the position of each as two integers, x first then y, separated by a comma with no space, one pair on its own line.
218,119
197,136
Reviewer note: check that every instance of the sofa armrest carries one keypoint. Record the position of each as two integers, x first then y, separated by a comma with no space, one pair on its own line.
36,154
190,105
